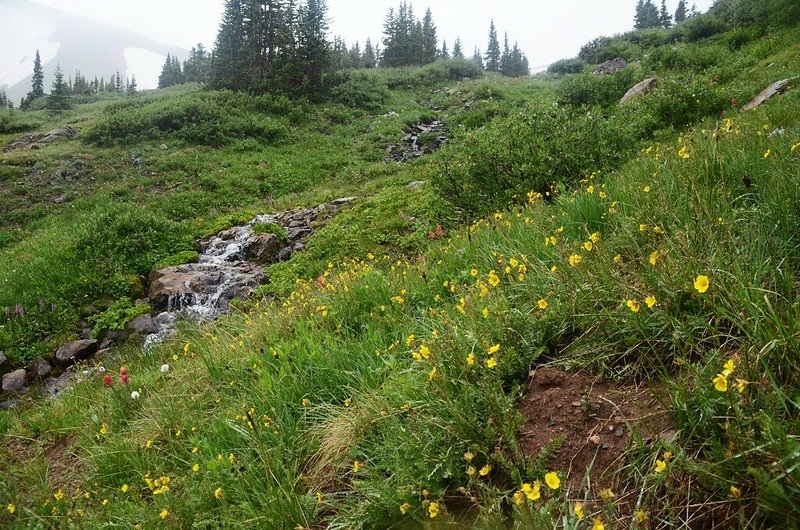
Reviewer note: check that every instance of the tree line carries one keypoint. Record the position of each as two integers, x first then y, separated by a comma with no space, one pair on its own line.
648,15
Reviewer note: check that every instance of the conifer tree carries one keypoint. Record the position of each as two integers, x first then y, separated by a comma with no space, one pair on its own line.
58,100
370,58
680,12
355,56
313,46
477,57
133,88
505,58
444,53
195,68
664,17
429,40
229,63
647,15
458,52
493,50
37,82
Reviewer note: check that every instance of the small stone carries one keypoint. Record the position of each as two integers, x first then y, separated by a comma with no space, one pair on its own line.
3,359
143,325
41,368
595,439
668,436
576,403
15,381
73,352
619,432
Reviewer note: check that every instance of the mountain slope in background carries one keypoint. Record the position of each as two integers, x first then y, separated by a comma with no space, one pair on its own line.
74,42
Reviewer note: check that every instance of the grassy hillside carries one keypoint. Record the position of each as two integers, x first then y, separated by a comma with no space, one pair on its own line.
652,245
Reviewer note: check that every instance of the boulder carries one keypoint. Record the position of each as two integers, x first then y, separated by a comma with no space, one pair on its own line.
610,67
79,350
41,368
115,337
15,381
143,325
174,288
779,87
640,89
263,248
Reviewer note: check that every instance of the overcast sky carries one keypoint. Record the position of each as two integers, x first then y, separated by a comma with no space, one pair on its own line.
546,29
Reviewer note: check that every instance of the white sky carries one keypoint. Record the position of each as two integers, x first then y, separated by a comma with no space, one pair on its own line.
547,30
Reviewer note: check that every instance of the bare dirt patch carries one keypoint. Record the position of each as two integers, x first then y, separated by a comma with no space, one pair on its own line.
585,426
63,466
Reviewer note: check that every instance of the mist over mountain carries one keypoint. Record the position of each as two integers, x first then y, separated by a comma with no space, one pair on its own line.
74,42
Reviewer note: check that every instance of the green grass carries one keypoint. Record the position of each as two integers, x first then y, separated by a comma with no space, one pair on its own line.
392,357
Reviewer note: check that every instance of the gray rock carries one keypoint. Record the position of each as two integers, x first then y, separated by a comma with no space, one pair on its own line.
3,360
79,350
176,287
115,337
15,381
343,200
38,141
55,387
263,248
640,89
41,368
143,325
610,67
779,87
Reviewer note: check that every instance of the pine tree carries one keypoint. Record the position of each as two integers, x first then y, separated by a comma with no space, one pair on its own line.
493,50
647,15
229,62
664,17
195,68
58,100
133,88
444,53
458,52
37,83
477,57
505,58
370,58
313,46
430,41
680,12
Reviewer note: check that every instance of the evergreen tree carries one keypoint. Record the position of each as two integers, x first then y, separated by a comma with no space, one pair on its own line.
118,83
430,42
505,58
313,47
229,61
680,12
370,57
664,17
133,88
196,67
355,56
458,53
647,15
37,82
171,73
4,101
445,53
58,100
477,57
493,50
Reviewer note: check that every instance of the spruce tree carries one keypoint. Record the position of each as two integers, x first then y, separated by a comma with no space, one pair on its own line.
493,50
444,53
505,58
430,41
370,58
313,46
647,15
133,88
664,17
477,57
58,100
229,61
37,83
458,52
680,12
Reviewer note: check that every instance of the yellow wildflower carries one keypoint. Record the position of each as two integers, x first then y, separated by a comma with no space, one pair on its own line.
534,492
590,190
542,304
579,510
603,195
404,508
485,312
348,402
494,280
471,471
432,373
721,383
740,385
550,241
650,301
728,368
684,152
519,498
654,258
494,349
736,493
795,147
58,495
468,456
634,306
768,153
575,260
433,510
470,359
356,466
646,189
11,508
606,494
410,340
473,272
218,494
552,480
618,259
643,227
660,466
640,516
103,429
306,402
701,283
485,470
125,488
196,468
588,246
598,524
491,363
148,444
164,514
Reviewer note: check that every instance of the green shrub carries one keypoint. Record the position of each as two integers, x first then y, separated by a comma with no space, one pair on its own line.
589,89
606,48
687,57
678,103
272,228
700,27
567,66
361,91
181,258
117,316
12,122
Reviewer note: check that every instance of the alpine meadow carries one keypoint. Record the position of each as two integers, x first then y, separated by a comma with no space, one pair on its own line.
403,284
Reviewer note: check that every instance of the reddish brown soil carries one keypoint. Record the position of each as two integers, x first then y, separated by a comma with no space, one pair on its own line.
587,423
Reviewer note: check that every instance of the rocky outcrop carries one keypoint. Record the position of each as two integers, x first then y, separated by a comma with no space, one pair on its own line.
79,350
418,140
198,284
779,87
14,381
37,141
263,249
640,89
142,325
610,67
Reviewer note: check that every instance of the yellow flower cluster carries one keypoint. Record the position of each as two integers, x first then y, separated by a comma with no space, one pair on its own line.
157,486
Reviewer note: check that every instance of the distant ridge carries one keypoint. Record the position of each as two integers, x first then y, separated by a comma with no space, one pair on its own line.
95,48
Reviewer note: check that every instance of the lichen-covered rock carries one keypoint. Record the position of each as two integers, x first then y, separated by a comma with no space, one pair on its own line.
610,67
263,248
779,87
640,89
14,381
41,368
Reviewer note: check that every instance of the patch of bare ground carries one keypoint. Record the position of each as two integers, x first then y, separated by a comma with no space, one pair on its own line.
63,465
583,426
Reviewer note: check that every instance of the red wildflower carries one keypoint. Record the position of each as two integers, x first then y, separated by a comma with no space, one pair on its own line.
124,378
123,371
108,380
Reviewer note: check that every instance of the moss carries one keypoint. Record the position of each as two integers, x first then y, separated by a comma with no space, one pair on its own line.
181,258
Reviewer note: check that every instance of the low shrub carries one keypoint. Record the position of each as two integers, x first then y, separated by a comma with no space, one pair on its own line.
12,122
361,91
589,89
117,316
567,66
181,258
687,57
272,228
681,102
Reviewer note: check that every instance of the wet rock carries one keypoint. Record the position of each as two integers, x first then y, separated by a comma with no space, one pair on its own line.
343,201
640,89
420,139
779,87
15,381
142,325
203,283
41,368
610,67
263,248
79,350
56,386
